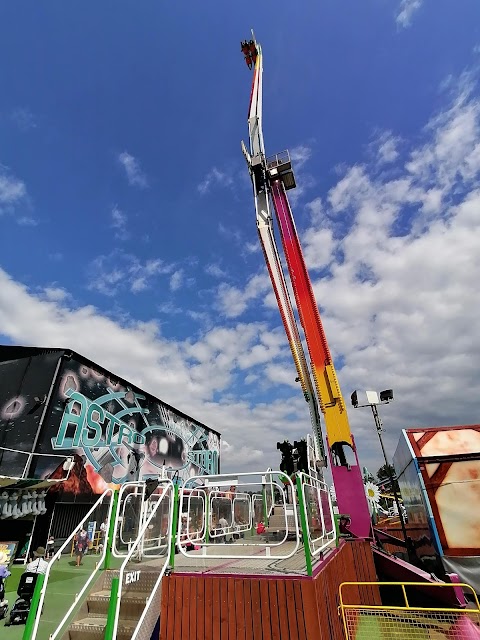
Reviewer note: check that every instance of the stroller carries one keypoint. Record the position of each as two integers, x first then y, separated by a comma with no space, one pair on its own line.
4,573
21,607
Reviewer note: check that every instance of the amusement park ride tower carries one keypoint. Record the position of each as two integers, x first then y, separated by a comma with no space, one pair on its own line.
271,179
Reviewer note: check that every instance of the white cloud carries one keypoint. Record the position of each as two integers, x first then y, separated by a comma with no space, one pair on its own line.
185,374
24,119
215,271
406,10
241,456
300,155
176,280
251,247
55,294
27,221
401,298
109,274
12,190
169,309
214,177
386,148
119,221
233,301
398,288
135,175
14,199
230,232
318,247
316,209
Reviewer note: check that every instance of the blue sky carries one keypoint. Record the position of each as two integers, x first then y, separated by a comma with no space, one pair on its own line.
126,217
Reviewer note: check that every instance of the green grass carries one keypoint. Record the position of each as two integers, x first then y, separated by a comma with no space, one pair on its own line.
65,581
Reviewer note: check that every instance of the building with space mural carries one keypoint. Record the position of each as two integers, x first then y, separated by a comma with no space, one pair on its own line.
57,403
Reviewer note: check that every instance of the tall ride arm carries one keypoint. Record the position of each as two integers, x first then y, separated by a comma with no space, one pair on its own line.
347,478
332,403
257,167
275,176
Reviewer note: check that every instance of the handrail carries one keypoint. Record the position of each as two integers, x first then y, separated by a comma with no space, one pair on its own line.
234,526
327,536
120,517
418,585
272,506
201,496
112,626
57,556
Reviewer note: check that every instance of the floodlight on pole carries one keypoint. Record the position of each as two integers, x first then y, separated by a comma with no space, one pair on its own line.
372,399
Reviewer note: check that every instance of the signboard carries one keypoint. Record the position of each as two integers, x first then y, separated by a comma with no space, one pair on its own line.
120,432
91,527
7,552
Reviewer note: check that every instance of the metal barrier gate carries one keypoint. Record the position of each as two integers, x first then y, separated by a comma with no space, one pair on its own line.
134,507
226,514
407,622
319,520
135,594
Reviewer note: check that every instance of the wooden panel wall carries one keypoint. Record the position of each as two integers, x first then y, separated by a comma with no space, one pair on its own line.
207,607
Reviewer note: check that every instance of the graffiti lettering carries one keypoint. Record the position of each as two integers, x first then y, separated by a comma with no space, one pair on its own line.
89,420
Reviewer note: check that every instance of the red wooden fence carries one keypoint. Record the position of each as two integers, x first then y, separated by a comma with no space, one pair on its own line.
209,607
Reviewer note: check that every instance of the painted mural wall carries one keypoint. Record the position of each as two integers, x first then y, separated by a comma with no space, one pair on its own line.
116,431
449,461
439,476
21,381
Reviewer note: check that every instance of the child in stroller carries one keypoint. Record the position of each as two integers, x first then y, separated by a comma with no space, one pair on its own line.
4,573
21,608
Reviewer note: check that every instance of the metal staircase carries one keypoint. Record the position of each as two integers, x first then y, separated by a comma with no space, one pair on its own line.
91,620
115,593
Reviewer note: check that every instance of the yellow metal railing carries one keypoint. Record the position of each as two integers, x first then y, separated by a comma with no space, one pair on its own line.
407,622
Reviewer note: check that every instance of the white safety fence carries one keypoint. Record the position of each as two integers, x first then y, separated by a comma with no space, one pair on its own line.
318,513
130,517
145,564
247,516
77,556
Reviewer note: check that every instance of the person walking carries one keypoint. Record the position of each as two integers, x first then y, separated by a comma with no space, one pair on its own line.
81,546
50,548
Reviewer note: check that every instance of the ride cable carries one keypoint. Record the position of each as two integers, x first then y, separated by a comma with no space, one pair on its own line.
271,177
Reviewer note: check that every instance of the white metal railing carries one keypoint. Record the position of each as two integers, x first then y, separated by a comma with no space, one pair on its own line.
192,517
242,512
257,509
153,542
129,518
278,159
220,506
58,564
237,522
318,513
256,485
269,494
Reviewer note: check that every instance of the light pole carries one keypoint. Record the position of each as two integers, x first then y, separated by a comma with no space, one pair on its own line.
372,400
